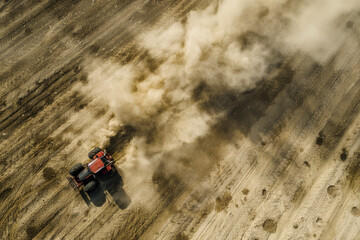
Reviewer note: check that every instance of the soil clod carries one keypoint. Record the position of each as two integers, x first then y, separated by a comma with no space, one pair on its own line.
223,202
270,225
48,173
355,211
181,236
344,154
264,192
32,232
331,190
245,191
320,138
349,24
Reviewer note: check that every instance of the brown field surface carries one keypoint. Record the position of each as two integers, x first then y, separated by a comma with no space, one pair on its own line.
236,121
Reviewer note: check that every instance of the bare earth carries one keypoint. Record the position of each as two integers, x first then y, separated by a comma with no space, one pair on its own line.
285,167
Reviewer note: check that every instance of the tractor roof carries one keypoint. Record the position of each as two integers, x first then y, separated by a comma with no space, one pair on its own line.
96,165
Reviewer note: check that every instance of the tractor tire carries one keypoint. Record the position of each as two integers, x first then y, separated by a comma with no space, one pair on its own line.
93,152
90,186
76,169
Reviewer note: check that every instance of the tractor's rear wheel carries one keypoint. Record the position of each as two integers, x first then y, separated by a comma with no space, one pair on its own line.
90,186
93,152
76,169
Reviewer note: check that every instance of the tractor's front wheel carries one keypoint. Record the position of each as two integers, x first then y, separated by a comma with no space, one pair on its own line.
93,152
90,186
76,169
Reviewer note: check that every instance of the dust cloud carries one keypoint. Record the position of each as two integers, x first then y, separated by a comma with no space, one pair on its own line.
228,47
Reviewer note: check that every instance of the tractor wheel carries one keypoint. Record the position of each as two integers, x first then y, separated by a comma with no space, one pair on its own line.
90,186
76,169
93,152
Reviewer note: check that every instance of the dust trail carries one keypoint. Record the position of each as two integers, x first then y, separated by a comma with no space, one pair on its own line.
227,48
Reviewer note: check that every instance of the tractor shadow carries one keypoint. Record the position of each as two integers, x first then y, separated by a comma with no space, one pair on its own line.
111,186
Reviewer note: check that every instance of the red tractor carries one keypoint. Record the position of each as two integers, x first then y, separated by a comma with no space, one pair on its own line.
83,176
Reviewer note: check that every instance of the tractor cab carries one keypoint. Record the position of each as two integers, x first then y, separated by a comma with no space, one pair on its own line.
96,165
